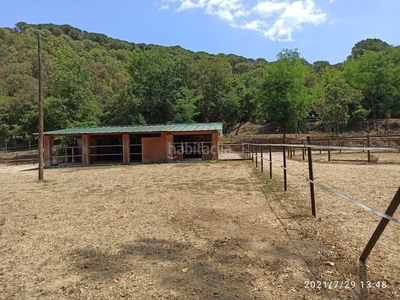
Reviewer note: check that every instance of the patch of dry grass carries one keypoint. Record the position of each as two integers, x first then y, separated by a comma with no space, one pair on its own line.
130,231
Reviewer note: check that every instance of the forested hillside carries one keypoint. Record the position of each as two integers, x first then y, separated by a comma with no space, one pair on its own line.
91,79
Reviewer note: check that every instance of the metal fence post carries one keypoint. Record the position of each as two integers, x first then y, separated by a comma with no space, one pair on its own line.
311,177
270,162
369,152
262,160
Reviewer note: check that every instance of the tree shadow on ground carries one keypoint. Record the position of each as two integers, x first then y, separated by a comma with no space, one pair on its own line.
218,270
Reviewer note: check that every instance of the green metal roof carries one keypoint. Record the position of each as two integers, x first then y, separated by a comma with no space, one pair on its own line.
139,129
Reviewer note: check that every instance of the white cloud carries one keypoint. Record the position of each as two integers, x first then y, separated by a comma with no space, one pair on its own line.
256,25
267,8
163,7
277,20
295,14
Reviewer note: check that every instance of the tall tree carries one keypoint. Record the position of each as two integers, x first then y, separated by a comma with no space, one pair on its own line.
338,102
375,45
376,74
219,91
71,104
284,97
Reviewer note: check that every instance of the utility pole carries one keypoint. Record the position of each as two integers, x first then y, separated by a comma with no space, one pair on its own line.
40,141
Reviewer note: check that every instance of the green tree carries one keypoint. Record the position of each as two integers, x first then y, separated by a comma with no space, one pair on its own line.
340,102
375,45
284,97
155,82
376,74
219,91
71,104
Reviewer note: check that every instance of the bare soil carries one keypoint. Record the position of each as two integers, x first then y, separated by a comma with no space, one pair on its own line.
217,230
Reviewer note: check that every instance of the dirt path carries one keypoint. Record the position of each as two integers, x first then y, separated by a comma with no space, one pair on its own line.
177,231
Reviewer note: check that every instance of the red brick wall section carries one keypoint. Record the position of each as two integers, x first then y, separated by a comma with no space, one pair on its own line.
154,149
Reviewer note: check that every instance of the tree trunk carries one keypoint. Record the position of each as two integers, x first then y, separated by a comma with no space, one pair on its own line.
237,129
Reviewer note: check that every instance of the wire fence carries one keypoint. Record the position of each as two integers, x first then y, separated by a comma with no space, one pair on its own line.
258,154
18,148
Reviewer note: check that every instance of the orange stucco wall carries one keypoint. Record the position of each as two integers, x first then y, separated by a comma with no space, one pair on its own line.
215,146
154,149
126,147
85,150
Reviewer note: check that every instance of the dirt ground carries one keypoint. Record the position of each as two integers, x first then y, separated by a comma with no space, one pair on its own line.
218,230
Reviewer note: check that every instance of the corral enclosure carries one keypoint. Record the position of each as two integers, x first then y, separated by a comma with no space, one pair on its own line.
172,231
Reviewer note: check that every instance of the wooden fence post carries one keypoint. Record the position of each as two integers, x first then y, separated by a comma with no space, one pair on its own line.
381,226
303,150
284,167
270,162
329,150
311,177
256,156
262,160
369,152
252,153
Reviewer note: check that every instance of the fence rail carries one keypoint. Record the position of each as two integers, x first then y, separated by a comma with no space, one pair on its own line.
256,151
21,148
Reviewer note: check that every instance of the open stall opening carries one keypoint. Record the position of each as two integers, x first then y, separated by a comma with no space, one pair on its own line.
193,146
66,151
106,149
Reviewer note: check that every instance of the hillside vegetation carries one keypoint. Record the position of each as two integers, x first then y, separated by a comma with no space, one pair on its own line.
91,80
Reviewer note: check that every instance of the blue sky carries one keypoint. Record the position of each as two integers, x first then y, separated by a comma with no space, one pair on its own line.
319,29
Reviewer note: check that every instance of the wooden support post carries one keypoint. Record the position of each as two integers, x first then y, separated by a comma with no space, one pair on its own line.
256,156
381,226
369,152
41,124
262,160
252,154
288,150
284,168
270,162
311,177
303,150
329,150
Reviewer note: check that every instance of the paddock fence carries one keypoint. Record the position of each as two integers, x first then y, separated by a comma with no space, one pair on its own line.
261,155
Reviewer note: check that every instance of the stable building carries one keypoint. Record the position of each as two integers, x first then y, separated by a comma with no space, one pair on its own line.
132,144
